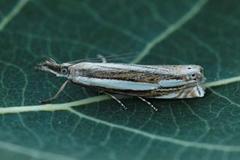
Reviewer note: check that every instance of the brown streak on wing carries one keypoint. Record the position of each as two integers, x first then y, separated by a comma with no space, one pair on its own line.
127,75
180,93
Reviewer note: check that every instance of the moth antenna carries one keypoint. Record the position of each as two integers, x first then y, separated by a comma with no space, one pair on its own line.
51,60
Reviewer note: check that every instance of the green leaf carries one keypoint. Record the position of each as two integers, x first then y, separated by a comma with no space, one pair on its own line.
86,125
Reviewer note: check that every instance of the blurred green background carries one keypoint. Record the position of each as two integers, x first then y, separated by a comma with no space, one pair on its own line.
203,32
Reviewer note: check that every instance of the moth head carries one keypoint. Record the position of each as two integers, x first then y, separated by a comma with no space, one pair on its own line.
194,73
50,65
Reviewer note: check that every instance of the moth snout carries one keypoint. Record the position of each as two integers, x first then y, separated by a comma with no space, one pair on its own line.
41,66
49,66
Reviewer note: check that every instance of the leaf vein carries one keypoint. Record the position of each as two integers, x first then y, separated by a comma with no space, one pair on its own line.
184,143
66,107
25,79
16,9
102,21
171,29
32,152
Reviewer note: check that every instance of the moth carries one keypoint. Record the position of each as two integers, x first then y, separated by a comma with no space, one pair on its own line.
142,81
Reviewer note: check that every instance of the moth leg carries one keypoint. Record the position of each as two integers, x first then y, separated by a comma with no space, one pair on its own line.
150,104
117,100
104,60
56,95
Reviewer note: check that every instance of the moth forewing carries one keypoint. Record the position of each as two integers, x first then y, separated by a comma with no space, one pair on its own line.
149,81
140,80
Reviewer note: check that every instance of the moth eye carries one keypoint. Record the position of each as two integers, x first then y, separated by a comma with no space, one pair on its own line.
194,76
189,68
64,71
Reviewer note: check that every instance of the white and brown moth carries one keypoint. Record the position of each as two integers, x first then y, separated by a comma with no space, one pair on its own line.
142,81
